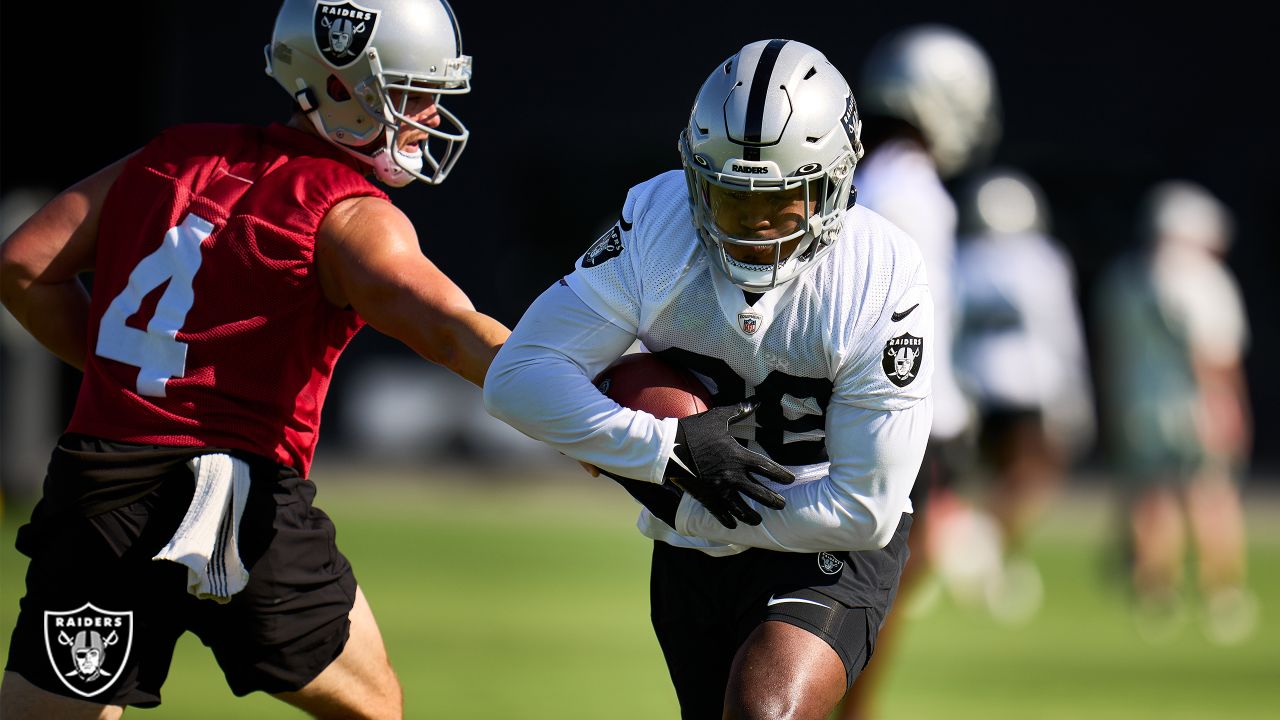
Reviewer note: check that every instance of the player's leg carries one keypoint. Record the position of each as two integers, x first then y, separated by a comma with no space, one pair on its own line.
301,629
360,683
1217,525
20,700
784,671
1159,541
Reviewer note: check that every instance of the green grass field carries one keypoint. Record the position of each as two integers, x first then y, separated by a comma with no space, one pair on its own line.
529,600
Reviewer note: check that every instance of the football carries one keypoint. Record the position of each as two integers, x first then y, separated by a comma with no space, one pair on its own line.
642,381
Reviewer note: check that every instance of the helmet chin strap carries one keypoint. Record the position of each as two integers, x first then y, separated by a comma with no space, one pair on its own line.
390,167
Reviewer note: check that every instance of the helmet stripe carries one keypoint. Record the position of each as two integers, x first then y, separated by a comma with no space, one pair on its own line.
759,91
453,20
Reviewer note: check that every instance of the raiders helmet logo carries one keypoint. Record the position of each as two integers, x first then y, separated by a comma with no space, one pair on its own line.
829,564
607,247
88,646
343,30
749,322
901,361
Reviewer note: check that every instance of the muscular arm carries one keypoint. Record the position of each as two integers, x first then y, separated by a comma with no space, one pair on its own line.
368,258
41,260
540,384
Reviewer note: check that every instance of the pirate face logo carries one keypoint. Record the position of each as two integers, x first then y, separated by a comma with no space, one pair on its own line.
88,646
343,30
607,247
829,564
902,356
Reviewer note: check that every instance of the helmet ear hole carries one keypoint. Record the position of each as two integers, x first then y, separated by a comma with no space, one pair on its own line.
336,90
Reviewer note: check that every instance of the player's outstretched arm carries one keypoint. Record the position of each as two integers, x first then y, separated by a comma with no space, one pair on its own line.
41,260
368,257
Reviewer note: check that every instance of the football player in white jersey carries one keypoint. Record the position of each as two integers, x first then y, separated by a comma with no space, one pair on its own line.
753,269
931,107
1020,356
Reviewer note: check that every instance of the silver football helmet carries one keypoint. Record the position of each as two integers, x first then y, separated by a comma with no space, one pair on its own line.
1184,214
1002,201
941,82
361,70
775,117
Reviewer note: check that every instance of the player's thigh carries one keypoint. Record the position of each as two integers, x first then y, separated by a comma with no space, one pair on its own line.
360,682
20,700
784,671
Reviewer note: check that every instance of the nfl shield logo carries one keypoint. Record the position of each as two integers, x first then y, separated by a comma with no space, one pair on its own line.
88,646
343,30
749,322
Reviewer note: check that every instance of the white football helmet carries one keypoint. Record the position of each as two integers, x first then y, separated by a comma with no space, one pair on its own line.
358,69
1184,214
941,82
775,116
1002,201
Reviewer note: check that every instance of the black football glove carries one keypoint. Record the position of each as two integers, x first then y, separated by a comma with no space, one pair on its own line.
716,470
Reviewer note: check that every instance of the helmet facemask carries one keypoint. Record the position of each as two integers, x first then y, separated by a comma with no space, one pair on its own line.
823,195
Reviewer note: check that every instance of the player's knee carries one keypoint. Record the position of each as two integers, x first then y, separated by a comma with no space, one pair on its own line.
761,706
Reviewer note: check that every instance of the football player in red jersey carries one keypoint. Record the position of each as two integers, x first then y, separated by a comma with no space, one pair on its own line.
232,264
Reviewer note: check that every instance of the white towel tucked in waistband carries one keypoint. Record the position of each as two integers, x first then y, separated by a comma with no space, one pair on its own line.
207,541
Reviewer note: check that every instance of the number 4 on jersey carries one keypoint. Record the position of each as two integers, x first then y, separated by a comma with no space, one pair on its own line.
157,354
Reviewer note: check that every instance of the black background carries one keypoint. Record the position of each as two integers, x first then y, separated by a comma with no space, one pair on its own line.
574,103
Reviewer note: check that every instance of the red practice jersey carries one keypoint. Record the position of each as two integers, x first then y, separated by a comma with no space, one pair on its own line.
208,325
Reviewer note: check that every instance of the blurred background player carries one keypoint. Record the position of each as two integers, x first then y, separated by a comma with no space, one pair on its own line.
1021,358
232,266
1173,332
931,110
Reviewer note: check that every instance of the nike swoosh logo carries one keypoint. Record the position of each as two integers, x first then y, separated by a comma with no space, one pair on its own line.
676,459
899,315
626,226
778,601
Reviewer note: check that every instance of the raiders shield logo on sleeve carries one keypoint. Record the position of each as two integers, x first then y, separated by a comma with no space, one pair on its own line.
343,30
88,646
607,247
901,361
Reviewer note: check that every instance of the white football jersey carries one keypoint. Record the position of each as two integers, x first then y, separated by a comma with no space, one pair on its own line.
839,359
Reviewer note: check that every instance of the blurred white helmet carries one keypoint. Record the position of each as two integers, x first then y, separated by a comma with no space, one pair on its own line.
776,116
941,82
1179,213
1002,201
358,69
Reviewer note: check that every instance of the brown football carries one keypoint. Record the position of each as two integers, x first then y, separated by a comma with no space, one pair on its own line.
642,381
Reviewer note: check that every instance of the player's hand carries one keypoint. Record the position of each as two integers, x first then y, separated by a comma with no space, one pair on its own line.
716,470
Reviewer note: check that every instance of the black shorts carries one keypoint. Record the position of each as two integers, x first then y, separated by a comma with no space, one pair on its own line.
704,607
100,618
